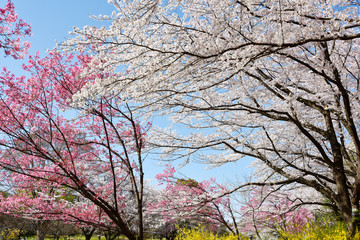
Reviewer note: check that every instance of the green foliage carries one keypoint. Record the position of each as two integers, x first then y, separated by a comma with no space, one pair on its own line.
201,233
325,231
4,194
188,182
10,233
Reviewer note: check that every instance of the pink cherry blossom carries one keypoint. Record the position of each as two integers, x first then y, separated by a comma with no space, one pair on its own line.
79,164
268,210
189,200
11,29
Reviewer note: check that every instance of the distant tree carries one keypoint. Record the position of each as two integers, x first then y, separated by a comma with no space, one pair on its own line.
168,230
59,229
188,201
88,231
11,227
269,210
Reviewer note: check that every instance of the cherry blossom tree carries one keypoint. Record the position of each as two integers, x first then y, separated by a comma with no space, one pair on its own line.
269,210
195,202
80,164
12,29
277,81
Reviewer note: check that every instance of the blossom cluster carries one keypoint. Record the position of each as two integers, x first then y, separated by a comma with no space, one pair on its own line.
12,29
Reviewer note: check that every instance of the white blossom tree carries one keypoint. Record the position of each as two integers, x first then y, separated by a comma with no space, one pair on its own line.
276,80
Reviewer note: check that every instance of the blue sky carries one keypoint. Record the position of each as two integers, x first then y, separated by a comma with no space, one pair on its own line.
52,20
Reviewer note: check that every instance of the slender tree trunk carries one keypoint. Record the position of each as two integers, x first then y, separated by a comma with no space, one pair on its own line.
42,227
88,232
140,214
355,204
40,235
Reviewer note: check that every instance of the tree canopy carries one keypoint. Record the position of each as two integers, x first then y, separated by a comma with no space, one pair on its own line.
277,81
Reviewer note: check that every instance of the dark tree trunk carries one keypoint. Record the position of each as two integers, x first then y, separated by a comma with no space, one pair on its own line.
42,227
88,232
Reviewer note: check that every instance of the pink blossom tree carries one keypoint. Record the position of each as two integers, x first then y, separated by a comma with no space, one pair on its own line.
11,30
269,209
192,201
51,150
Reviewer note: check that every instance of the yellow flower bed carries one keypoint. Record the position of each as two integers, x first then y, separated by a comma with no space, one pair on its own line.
325,231
10,233
200,233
